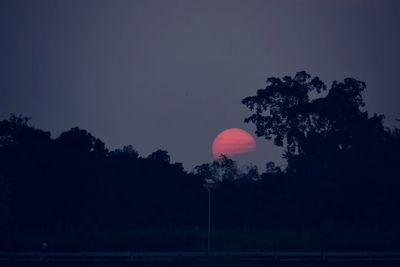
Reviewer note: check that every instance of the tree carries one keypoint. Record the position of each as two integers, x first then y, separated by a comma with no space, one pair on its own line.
249,173
205,170
221,169
80,141
24,156
333,148
272,168
127,152
160,155
312,126
225,168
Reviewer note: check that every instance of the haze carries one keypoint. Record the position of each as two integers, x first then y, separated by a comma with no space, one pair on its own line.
171,74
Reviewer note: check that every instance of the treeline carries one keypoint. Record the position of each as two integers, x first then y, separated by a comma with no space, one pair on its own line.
343,169
74,180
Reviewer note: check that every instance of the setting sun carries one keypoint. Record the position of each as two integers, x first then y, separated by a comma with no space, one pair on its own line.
231,142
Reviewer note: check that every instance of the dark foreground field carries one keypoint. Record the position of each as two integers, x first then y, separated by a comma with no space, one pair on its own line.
115,259
224,263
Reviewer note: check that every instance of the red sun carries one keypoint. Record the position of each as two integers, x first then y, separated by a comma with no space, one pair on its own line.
231,142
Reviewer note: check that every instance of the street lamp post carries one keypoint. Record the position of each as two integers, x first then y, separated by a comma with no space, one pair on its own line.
209,183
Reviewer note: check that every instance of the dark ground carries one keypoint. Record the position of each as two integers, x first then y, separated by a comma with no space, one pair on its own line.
208,263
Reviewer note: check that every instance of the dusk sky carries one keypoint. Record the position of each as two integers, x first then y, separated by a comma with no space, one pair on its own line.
171,74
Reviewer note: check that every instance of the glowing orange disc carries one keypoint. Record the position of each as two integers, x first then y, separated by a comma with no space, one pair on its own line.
231,142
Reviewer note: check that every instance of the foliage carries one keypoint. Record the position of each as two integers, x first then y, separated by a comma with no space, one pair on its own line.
316,127
225,169
341,181
341,161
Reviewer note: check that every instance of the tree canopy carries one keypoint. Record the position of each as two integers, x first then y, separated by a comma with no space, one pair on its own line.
308,122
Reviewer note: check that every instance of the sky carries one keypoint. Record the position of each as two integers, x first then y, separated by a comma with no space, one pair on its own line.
171,74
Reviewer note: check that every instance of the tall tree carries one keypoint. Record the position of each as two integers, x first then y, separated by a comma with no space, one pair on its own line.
293,111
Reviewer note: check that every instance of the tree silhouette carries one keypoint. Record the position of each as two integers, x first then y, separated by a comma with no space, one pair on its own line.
225,169
343,167
313,126
160,155
333,148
